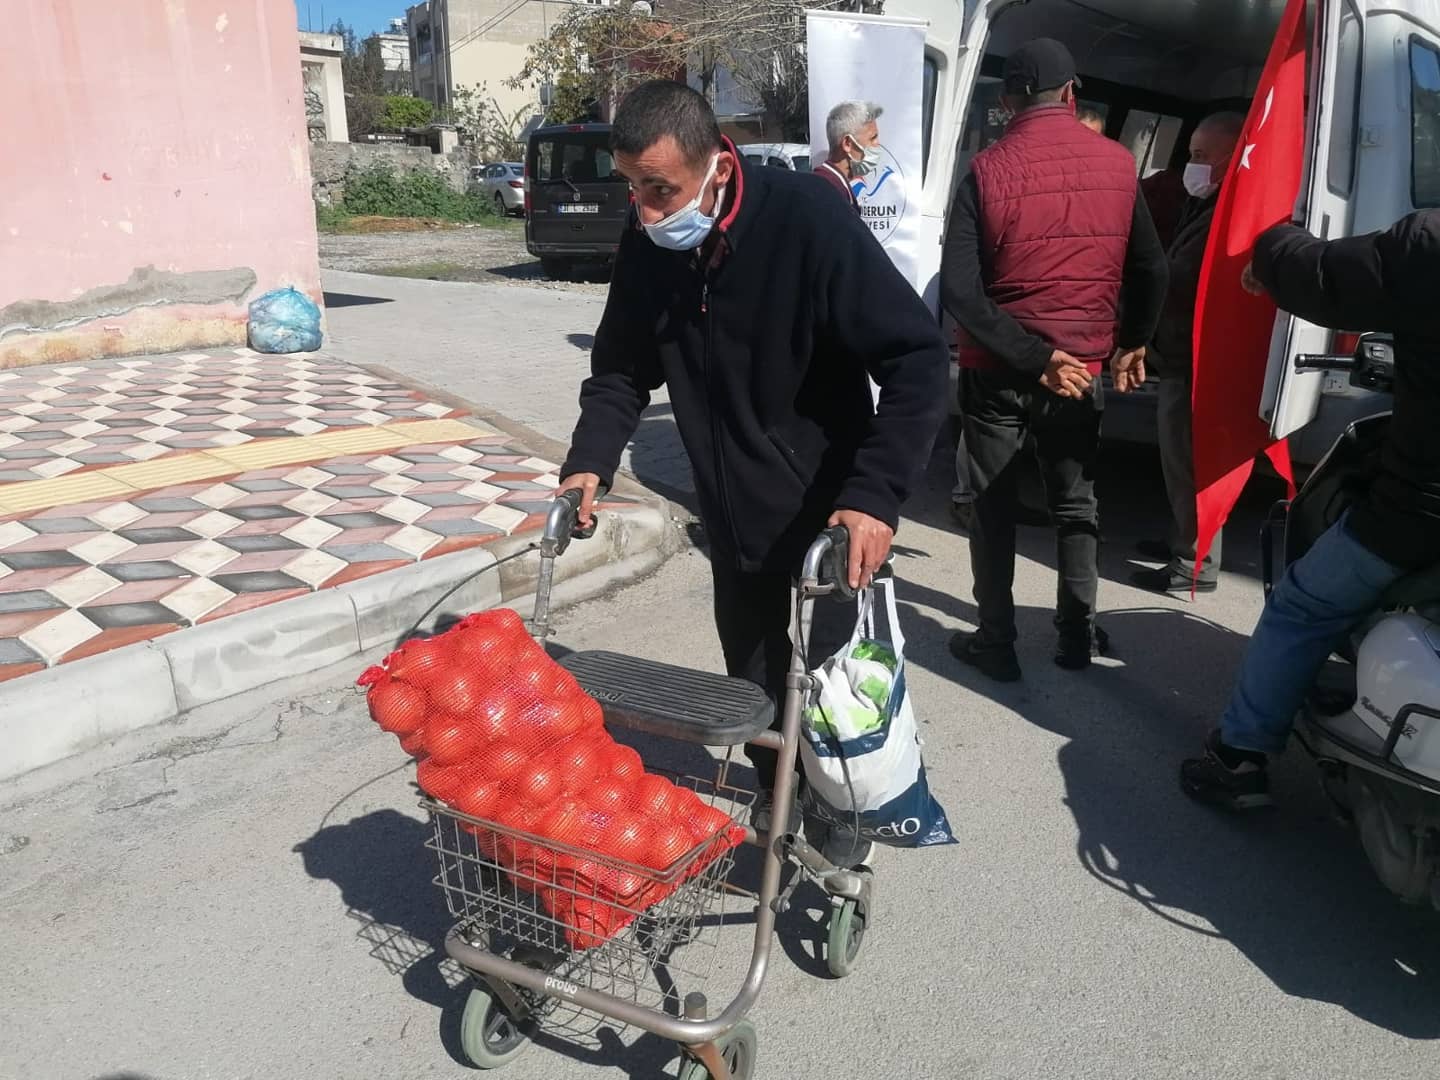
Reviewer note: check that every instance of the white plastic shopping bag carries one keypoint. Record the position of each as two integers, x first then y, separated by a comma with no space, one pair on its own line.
861,746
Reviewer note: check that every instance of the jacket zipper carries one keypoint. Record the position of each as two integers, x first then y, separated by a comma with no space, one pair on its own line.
714,421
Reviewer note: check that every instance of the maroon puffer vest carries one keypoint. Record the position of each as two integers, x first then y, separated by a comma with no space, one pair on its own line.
1056,203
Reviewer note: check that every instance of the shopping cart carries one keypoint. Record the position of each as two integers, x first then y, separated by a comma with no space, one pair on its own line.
534,973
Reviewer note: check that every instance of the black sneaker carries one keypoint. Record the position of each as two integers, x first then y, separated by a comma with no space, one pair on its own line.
1171,583
1158,550
1074,652
1226,777
999,662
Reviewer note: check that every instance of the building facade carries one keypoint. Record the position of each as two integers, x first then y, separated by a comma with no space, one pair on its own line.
395,55
323,77
457,44
180,190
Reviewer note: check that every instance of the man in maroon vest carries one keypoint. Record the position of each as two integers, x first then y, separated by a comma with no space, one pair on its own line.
1046,235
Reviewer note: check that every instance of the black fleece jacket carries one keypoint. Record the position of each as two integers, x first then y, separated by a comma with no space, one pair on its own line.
1385,282
764,339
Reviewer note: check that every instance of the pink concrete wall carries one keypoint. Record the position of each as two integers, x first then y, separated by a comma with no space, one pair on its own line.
148,133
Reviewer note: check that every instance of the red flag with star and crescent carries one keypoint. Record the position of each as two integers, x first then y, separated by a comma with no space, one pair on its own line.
1232,327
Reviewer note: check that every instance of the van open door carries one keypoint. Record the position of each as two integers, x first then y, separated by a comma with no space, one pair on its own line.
1292,398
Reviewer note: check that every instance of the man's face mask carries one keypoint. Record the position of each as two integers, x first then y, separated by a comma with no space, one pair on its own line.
1200,180
869,160
687,228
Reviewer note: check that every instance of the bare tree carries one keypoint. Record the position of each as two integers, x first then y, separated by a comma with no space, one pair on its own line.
314,114
594,55
493,134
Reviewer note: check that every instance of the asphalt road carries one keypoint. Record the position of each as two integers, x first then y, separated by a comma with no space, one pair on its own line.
250,896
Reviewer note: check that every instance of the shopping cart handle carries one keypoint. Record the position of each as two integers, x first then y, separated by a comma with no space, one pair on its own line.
562,524
835,563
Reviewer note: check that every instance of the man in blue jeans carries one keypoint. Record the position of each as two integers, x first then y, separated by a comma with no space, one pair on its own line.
1383,282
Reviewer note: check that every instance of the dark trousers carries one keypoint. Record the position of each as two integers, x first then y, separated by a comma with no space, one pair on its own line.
752,617
1177,461
1001,410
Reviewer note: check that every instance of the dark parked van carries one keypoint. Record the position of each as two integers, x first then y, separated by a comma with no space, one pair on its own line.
576,203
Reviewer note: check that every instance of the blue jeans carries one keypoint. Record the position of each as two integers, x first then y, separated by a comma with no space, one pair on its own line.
1319,600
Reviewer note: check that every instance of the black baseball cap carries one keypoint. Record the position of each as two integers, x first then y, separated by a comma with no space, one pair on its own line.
1037,66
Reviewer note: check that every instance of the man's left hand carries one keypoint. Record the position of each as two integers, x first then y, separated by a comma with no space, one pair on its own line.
869,544
1127,369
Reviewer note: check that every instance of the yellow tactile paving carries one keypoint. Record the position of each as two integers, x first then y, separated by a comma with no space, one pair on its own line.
430,431
39,494
362,440
166,472
123,481
267,453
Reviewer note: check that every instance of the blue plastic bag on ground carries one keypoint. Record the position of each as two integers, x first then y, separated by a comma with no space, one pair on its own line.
284,321
860,745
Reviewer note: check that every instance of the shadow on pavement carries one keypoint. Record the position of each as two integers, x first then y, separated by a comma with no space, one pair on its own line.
343,300
384,872
1291,891
525,271
583,342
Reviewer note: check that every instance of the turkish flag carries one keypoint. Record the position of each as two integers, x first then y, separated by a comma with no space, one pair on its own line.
1232,327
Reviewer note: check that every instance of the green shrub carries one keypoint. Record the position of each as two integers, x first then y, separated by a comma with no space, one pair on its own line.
330,218
399,112
380,190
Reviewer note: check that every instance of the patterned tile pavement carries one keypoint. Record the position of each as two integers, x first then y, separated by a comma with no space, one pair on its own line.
82,574
59,420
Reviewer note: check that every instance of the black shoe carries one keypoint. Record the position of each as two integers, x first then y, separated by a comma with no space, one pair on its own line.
962,512
999,662
1226,777
1075,651
1157,550
1168,581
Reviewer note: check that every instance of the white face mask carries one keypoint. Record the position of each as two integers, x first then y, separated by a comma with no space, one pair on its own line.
869,159
1199,180
687,228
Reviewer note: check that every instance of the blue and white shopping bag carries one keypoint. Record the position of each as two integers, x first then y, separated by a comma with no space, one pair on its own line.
861,748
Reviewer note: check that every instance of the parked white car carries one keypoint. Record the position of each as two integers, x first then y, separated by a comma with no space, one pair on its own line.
504,183
792,156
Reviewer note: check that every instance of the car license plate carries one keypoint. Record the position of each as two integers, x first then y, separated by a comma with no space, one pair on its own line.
579,208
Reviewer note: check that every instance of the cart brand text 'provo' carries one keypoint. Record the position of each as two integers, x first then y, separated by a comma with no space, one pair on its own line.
560,986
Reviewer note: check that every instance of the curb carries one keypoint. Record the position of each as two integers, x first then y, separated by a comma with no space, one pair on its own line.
51,715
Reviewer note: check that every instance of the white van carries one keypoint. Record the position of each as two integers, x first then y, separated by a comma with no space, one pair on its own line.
792,156
1154,68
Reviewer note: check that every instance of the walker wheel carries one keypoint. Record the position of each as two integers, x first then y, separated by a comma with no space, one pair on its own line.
489,1036
737,1050
848,921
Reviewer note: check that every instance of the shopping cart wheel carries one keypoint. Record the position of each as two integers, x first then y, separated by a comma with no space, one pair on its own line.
488,1034
848,919
737,1050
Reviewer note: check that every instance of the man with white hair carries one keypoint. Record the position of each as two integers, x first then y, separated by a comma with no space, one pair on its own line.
853,134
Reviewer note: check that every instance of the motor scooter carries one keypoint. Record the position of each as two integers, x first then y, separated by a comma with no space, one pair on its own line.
1372,721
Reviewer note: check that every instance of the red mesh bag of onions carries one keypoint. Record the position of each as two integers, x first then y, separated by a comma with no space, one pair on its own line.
505,735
